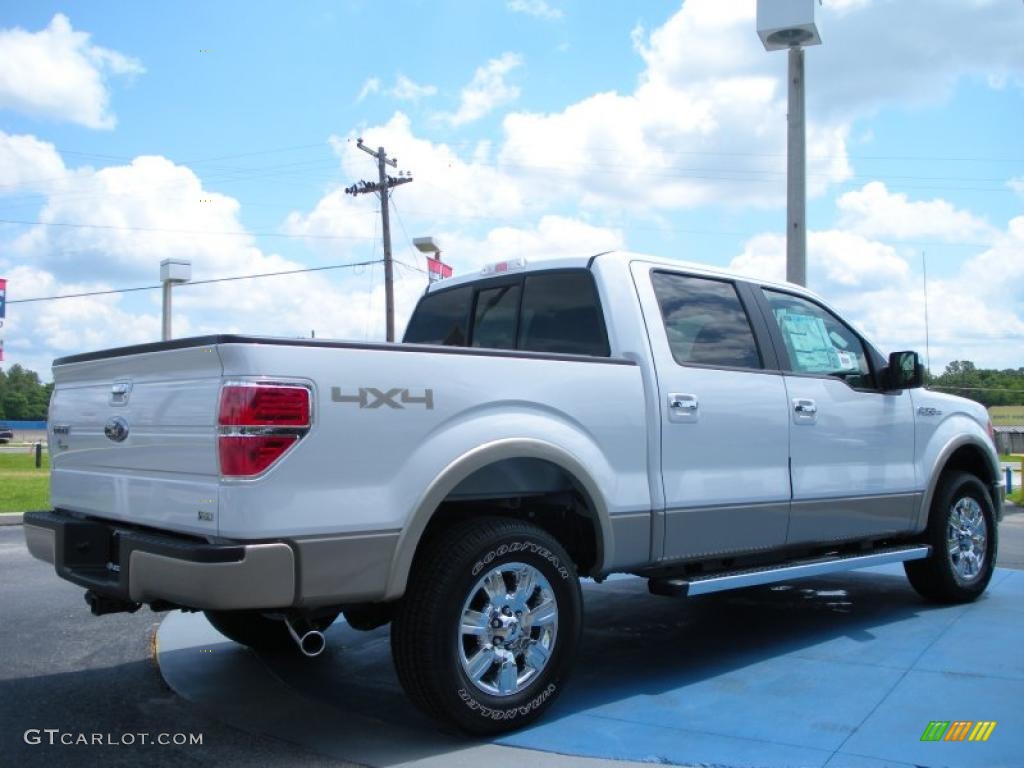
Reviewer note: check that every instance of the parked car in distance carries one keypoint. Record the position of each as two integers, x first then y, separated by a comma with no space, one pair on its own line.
540,423
6,433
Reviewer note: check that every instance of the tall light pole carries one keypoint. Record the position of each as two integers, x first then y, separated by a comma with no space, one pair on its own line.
789,24
172,272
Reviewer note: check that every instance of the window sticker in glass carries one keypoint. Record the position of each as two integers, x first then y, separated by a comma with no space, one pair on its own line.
816,349
818,342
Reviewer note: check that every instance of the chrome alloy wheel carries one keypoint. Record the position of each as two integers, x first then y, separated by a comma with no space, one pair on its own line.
508,628
967,539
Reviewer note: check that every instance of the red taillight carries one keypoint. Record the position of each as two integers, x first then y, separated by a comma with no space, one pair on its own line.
258,424
991,434
247,455
264,406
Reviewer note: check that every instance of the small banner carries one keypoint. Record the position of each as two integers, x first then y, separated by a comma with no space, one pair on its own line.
437,269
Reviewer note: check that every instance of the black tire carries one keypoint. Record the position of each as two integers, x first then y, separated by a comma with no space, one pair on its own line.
258,632
936,577
428,648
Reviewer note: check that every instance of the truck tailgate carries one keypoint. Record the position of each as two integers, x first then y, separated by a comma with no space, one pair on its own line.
134,438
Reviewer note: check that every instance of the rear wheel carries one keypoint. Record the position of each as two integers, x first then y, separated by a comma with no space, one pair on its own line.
487,629
963,536
255,630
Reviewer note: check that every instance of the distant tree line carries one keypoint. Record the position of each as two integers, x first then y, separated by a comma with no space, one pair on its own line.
986,385
22,396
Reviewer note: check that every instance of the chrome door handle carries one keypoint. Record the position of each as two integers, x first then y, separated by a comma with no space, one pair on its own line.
805,407
685,403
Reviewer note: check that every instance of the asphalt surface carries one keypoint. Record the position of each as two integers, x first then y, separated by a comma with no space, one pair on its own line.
61,668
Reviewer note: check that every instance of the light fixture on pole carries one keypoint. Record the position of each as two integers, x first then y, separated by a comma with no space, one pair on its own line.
172,272
436,269
789,24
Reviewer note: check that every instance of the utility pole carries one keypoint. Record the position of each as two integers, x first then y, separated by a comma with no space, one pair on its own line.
381,187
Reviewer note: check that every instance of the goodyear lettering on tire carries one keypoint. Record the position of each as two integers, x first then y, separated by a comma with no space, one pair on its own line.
522,546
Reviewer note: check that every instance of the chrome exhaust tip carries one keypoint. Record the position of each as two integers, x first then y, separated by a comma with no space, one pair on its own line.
311,643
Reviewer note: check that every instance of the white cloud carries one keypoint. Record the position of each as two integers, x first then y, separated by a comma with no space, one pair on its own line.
551,237
447,185
874,211
59,74
406,89
706,123
974,313
1017,185
151,209
26,163
877,53
538,8
370,87
487,90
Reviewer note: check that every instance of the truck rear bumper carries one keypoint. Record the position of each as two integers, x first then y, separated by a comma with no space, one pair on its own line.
145,567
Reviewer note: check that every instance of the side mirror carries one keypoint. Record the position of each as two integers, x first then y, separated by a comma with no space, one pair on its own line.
905,371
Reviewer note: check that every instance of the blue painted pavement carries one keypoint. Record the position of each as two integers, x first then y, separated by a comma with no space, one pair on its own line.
844,670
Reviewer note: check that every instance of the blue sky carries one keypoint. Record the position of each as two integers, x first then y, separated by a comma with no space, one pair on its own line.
222,132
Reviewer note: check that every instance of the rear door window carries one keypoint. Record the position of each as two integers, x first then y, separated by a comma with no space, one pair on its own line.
441,318
561,313
705,322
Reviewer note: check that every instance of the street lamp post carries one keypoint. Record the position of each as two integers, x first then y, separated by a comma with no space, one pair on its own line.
789,24
172,272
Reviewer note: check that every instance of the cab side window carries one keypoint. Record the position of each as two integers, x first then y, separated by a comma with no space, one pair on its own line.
494,322
562,314
441,318
818,342
705,322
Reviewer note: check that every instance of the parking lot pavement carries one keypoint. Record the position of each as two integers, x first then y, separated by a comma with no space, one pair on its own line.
62,668
841,668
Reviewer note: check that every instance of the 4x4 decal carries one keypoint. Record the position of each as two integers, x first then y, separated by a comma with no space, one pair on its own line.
397,398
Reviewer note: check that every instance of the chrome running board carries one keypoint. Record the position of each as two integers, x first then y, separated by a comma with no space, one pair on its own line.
801,569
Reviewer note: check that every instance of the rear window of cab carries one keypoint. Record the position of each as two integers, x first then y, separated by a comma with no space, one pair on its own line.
555,312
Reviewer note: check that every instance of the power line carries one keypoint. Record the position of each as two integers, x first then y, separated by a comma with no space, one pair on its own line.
196,282
408,239
165,230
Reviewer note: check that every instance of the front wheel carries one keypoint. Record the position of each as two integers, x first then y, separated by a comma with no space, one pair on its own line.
487,629
963,536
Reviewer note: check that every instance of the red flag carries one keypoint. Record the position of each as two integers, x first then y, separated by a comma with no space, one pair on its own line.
437,269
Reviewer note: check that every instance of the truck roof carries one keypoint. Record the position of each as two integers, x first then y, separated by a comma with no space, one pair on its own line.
584,262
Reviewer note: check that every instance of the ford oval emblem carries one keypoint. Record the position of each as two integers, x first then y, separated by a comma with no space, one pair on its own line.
116,429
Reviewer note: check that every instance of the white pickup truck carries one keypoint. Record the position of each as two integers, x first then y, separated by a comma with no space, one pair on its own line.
538,424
